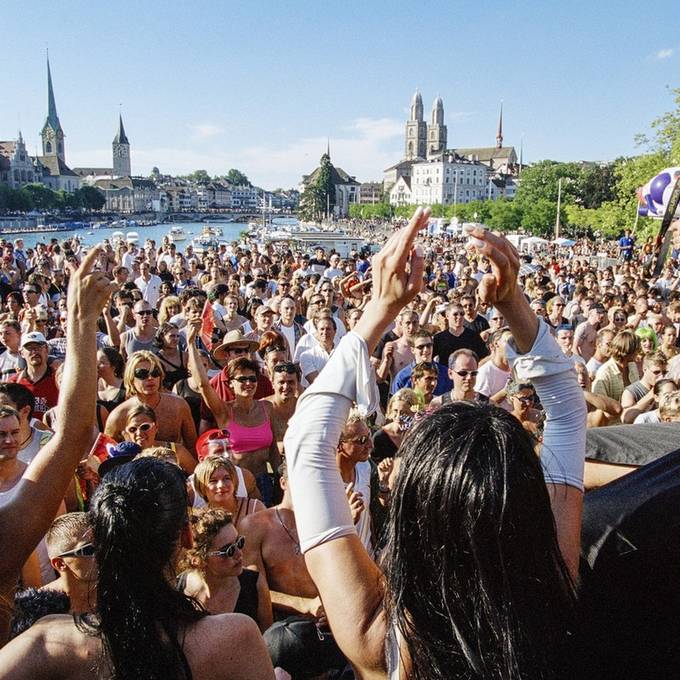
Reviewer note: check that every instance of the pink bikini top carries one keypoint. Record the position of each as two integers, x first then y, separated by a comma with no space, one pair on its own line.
245,439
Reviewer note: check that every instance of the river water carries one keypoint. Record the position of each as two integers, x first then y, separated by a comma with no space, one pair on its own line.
230,232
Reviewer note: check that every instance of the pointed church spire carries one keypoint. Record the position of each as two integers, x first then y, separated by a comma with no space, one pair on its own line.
521,153
121,137
328,146
499,134
52,117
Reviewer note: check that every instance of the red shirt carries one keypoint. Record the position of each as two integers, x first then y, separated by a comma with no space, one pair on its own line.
44,390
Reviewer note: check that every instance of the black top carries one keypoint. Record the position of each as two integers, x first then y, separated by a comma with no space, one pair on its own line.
445,344
478,324
626,445
192,398
110,404
173,372
630,593
383,446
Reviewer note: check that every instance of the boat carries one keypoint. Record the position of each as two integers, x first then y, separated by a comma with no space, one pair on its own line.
131,237
204,242
117,237
177,234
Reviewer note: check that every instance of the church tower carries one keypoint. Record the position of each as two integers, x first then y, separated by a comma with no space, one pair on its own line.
436,132
121,152
416,130
499,134
52,134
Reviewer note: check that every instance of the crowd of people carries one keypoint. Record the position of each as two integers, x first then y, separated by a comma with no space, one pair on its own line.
431,462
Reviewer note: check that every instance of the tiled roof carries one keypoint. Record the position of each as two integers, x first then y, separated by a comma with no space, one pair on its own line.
486,153
56,167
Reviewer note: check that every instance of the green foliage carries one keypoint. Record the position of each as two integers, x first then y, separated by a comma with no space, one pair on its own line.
312,204
199,176
237,177
90,198
325,186
666,133
42,197
379,211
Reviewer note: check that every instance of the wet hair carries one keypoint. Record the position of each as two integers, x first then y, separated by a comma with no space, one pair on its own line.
207,468
206,523
138,513
116,360
476,583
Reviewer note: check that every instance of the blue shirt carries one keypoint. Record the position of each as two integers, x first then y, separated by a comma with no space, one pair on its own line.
403,379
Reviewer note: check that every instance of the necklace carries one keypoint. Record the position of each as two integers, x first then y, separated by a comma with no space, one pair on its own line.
297,550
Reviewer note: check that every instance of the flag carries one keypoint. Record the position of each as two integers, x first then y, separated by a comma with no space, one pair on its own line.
208,325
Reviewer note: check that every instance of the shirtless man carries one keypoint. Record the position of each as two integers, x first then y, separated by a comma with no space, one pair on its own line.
286,382
272,548
398,353
143,379
585,336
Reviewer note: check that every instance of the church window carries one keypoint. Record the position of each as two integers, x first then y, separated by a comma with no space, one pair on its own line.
48,147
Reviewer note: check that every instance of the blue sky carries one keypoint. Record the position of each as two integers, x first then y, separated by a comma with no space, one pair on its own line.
260,86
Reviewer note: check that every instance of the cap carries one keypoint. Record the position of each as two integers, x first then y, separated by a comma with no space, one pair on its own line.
119,455
234,338
217,439
32,337
263,309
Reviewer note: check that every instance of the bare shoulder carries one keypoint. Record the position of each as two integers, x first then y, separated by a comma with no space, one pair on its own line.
227,646
257,523
53,647
267,405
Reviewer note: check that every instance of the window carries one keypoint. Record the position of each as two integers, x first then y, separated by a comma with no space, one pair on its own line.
48,147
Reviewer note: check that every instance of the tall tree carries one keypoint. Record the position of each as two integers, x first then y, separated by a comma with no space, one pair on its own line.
237,177
325,186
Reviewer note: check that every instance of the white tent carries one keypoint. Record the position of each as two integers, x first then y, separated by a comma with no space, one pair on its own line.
564,242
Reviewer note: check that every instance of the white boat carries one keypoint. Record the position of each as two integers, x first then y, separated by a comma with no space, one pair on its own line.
131,237
212,229
117,237
177,234
204,242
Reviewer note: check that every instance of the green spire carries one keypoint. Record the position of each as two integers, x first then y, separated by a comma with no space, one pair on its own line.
52,117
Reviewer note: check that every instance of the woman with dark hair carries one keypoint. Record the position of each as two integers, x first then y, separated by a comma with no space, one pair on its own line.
173,359
214,570
475,580
110,370
143,626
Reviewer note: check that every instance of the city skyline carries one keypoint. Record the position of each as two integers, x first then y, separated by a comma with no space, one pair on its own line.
199,93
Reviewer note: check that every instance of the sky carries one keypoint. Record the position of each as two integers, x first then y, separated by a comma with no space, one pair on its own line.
261,86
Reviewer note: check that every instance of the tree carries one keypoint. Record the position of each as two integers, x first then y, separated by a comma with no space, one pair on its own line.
311,203
324,183
539,217
43,197
595,184
541,181
15,200
666,138
199,176
91,198
504,215
237,177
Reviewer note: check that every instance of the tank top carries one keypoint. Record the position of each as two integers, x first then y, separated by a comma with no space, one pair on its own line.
175,373
133,344
245,439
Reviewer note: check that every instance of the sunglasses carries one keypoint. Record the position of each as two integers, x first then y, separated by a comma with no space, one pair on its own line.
30,290
274,348
457,314
144,373
239,350
246,379
359,440
425,345
86,550
144,427
285,368
525,400
144,312
229,550
465,374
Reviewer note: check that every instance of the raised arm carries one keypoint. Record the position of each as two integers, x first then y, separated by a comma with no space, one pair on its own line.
334,554
37,496
197,369
536,357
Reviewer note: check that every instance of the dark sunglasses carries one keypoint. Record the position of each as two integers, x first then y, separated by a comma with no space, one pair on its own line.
144,427
86,550
144,373
274,348
144,312
219,435
425,345
359,440
464,374
246,379
285,368
229,550
525,400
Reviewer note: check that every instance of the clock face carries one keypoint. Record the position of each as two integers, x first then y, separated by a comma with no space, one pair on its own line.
121,152
49,133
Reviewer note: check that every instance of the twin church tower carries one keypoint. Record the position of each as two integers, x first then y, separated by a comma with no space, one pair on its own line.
53,136
425,141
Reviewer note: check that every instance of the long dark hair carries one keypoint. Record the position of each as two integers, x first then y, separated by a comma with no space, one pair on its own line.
138,512
476,584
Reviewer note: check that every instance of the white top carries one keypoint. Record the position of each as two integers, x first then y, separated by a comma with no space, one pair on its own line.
38,439
491,380
150,289
288,332
362,484
648,417
313,360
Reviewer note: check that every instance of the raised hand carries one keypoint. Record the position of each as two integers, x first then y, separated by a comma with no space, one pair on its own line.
88,290
501,284
398,268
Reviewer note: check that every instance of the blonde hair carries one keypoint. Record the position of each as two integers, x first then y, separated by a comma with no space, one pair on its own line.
405,394
135,359
207,468
669,406
161,453
625,344
163,313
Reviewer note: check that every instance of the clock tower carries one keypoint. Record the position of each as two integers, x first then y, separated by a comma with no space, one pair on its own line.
52,134
121,152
